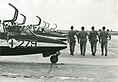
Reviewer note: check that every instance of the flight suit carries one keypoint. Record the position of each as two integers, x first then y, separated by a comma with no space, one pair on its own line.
93,41
104,41
71,40
82,38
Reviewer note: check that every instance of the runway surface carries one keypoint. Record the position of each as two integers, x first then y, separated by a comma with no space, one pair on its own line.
77,68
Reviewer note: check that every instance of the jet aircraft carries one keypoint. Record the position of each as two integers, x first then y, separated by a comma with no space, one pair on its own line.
50,32
18,39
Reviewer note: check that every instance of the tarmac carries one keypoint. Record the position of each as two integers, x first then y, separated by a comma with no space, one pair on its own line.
76,68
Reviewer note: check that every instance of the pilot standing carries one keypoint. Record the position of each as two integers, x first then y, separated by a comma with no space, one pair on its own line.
82,39
71,40
93,40
104,35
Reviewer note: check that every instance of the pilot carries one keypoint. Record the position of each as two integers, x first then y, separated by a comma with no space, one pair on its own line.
104,35
82,39
93,40
30,27
71,40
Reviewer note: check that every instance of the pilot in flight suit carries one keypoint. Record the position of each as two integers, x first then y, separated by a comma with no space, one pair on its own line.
82,39
93,40
104,40
71,40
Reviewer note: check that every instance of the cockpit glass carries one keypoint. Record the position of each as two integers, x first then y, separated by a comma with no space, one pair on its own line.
26,31
20,30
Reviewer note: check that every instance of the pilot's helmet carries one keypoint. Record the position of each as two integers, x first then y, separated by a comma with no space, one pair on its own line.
42,29
6,25
31,25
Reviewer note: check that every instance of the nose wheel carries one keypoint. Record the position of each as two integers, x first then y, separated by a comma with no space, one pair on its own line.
54,59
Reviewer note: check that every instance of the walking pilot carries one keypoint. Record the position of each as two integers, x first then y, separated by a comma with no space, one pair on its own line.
82,39
104,35
93,40
71,40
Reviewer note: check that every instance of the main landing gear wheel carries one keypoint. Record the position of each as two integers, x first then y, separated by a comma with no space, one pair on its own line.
54,59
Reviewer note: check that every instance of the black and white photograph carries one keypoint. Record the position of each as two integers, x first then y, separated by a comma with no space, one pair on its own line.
58,40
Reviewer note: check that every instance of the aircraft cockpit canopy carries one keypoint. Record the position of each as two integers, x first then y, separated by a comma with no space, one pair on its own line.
26,31
18,30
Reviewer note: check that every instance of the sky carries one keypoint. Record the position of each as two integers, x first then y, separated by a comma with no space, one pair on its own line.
65,13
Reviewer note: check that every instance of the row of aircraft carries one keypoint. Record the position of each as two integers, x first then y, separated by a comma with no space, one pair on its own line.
19,39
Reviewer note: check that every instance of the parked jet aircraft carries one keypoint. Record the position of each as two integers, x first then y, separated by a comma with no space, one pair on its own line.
20,40
50,32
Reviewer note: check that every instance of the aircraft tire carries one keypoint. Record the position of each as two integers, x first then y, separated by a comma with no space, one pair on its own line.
54,59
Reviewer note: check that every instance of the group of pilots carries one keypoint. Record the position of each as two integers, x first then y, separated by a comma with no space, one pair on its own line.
93,37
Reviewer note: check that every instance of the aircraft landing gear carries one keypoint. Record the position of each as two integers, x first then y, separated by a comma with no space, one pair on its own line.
54,58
